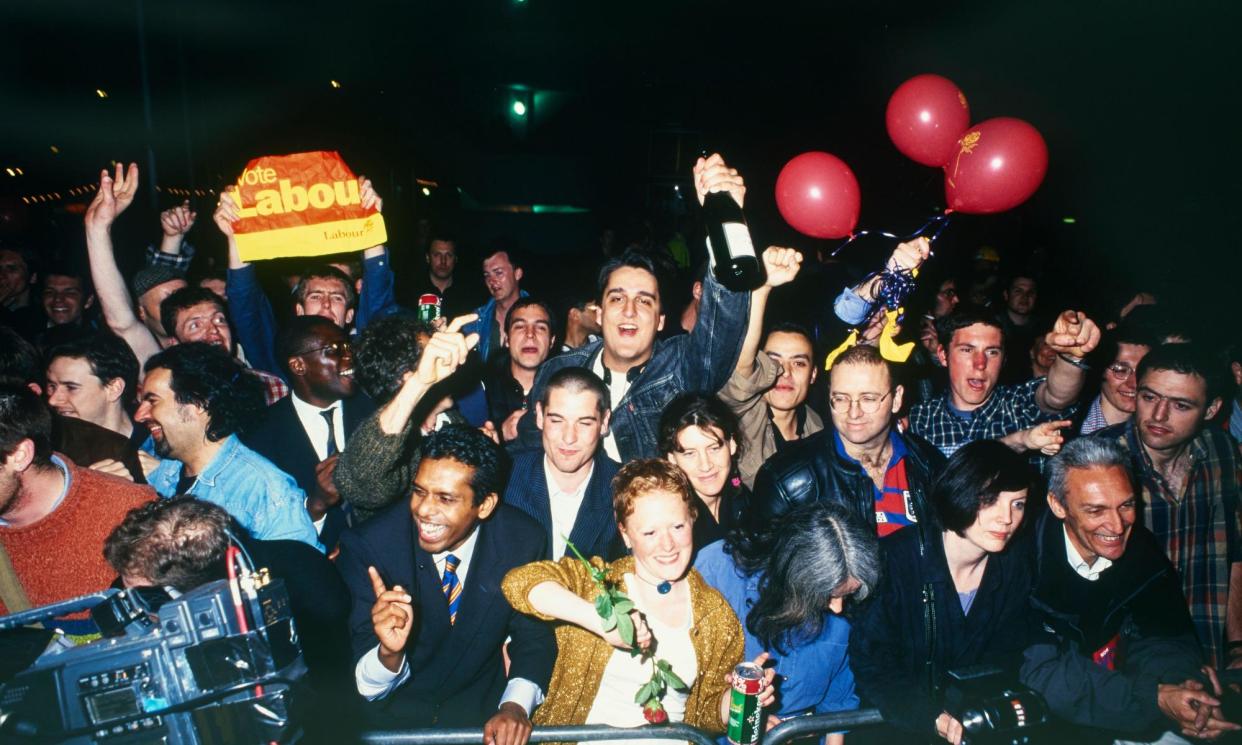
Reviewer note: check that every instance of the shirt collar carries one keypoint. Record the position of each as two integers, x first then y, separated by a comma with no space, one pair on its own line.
463,553
1089,572
304,407
554,490
219,463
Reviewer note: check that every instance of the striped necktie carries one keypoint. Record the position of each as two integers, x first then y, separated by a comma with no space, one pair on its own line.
451,587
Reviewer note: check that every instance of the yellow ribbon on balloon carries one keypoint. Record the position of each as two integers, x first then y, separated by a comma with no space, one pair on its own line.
889,349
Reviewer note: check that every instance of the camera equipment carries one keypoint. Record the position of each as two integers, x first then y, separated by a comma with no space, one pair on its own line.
182,671
992,707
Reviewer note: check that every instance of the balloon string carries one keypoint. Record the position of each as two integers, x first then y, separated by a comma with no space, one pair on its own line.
936,224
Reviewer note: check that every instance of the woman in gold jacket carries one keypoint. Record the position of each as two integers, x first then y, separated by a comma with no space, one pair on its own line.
596,678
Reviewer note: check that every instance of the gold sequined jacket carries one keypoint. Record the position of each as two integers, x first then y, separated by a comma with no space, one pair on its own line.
715,634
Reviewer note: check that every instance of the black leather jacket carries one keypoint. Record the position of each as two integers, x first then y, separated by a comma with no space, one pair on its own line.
810,470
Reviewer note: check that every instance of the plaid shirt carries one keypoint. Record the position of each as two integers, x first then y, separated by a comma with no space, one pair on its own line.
180,262
1095,421
1010,408
274,388
1199,528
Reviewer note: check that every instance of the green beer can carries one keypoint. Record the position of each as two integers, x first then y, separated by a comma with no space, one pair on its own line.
744,709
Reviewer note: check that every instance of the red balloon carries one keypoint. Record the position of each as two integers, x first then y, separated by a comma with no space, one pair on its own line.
818,196
925,116
999,165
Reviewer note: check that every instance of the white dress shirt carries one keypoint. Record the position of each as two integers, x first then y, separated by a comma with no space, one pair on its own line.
374,681
317,427
564,505
1089,572
618,385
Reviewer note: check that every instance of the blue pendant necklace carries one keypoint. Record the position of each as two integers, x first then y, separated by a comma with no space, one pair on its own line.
663,588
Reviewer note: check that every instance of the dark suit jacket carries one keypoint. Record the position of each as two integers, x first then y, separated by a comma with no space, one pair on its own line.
595,528
281,439
457,672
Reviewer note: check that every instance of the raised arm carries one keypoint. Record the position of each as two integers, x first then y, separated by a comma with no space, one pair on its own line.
710,352
377,294
782,266
1073,337
249,307
115,194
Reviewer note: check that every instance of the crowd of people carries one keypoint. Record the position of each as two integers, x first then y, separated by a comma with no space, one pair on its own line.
1034,489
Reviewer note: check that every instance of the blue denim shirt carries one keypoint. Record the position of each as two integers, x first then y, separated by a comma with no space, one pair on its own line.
699,361
815,674
264,499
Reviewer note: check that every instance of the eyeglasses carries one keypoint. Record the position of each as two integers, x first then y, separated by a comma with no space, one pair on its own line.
1120,371
335,350
868,402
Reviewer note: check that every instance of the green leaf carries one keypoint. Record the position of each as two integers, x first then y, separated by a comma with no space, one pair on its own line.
625,628
645,694
610,622
622,604
603,606
663,665
674,682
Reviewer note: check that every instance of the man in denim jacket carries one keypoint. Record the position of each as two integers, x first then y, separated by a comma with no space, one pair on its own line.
644,375
194,399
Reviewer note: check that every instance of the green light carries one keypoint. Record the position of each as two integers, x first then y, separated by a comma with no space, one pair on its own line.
557,209
1068,220
519,108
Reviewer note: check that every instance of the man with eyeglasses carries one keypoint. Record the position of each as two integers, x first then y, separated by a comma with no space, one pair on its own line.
1125,349
304,433
1189,473
862,462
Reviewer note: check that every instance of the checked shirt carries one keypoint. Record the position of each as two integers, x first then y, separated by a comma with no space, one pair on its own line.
1198,529
1010,408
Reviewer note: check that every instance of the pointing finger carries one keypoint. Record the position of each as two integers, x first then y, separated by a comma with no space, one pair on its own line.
377,584
456,324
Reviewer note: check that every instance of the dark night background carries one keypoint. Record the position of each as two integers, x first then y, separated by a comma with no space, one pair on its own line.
1137,101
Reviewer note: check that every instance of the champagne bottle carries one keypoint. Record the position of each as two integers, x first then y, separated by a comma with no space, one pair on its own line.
729,247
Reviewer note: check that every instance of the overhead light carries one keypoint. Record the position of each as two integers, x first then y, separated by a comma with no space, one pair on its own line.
19,171
426,192
1068,220
55,150
11,172
334,83
101,93
519,108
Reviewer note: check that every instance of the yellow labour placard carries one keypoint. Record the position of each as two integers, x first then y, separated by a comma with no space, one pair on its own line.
305,204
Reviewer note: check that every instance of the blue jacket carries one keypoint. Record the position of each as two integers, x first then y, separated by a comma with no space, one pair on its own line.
264,499
700,361
255,324
483,327
595,528
815,674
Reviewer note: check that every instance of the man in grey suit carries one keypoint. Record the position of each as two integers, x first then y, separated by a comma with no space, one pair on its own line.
567,484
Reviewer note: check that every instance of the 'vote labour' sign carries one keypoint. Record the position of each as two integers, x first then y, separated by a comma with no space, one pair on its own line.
306,204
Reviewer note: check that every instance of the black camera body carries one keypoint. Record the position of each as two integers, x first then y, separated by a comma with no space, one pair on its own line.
993,707
188,675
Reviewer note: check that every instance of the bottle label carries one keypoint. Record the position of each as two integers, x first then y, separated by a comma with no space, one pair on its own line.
739,244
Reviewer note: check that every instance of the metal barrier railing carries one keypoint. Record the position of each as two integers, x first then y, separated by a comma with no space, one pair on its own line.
781,734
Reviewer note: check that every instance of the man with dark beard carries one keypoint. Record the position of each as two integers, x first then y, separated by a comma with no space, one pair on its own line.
195,398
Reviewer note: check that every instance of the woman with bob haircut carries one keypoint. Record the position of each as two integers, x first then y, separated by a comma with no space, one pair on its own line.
973,567
700,434
595,678
788,583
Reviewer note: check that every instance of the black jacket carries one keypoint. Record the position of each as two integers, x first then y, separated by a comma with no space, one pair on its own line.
810,470
282,439
457,671
1140,602
889,637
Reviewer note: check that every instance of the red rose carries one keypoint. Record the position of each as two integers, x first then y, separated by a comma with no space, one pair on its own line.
654,712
